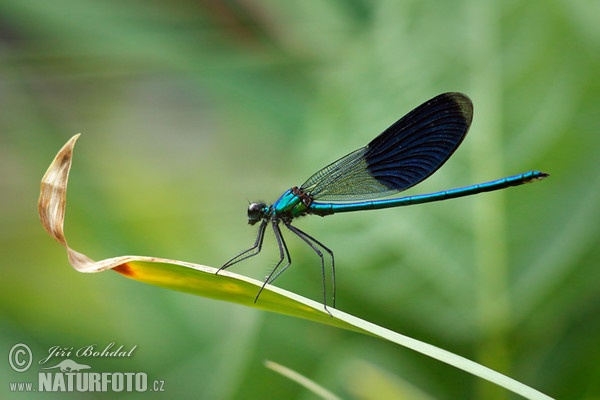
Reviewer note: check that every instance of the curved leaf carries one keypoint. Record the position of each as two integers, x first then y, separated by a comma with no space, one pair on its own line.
203,281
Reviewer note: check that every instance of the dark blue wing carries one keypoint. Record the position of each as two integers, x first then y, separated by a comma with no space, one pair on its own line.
403,155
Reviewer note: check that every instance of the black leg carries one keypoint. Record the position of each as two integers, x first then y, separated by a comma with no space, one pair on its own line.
275,273
315,244
283,253
252,251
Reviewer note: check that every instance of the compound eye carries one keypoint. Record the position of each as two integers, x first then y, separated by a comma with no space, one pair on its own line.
256,212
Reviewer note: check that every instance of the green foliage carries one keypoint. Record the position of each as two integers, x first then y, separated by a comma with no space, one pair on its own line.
189,110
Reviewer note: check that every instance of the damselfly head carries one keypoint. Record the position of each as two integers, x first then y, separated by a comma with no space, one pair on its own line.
256,212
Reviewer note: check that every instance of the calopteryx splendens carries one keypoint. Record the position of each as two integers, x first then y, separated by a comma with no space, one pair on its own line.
403,155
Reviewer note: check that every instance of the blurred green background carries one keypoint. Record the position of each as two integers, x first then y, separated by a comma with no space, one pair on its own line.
188,110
